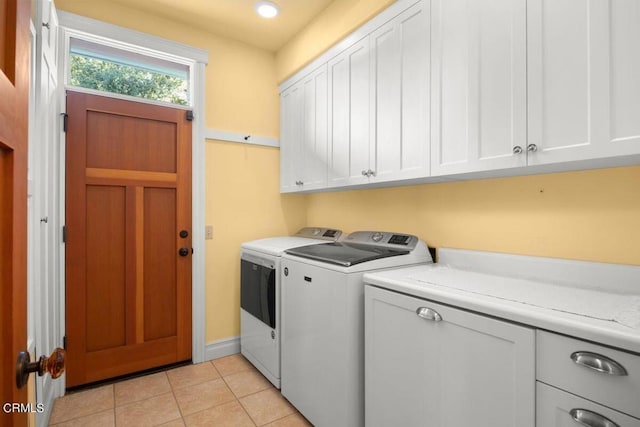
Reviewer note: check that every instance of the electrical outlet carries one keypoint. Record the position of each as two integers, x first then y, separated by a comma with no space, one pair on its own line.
208,232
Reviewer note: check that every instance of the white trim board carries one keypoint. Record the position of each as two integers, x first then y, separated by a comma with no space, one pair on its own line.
223,135
222,348
115,32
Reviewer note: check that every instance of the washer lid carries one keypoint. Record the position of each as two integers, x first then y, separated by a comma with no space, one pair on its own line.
345,254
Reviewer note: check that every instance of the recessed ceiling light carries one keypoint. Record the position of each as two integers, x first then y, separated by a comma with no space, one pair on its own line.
267,9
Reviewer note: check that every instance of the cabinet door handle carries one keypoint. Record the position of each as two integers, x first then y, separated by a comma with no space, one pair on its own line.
517,149
429,314
591,419
532,148
371,173
598,363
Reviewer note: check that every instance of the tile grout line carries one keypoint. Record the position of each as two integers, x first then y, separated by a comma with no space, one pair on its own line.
237,399
115,421
173,393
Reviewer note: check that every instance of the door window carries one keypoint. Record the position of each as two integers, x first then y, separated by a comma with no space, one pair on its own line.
106,68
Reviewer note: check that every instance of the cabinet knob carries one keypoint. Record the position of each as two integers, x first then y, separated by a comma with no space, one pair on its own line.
371,173
517,149
428,314
591,419
299,183
598,363
532,148
365,173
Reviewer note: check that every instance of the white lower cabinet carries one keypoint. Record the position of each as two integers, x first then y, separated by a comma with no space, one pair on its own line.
428,364
583,383
557,408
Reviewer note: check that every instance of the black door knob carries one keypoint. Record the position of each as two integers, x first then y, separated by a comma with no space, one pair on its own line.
183,252
184,234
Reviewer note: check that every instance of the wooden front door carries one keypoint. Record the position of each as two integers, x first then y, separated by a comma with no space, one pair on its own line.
128,237
14,113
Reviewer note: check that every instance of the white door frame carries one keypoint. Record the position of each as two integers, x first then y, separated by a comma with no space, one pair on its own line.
71,24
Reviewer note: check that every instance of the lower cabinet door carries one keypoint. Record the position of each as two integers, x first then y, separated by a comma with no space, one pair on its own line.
557,408
427,364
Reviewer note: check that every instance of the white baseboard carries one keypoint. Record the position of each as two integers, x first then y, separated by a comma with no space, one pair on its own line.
222,348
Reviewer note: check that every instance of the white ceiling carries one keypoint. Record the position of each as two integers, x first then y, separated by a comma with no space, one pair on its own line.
237,19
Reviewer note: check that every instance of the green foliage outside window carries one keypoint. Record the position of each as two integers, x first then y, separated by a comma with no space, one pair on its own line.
108,76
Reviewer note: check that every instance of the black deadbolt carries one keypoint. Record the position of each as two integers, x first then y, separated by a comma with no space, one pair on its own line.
286,271
183,251
184,234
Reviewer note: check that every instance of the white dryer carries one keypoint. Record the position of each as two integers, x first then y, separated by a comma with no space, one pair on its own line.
260,296
323,321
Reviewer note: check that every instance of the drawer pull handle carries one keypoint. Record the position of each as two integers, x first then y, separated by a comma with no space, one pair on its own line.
591,419
598,363
429,314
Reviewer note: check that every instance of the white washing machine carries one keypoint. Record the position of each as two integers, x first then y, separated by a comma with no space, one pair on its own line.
323,321
260,296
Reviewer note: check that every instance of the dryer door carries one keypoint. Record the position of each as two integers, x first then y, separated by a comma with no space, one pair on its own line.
258,290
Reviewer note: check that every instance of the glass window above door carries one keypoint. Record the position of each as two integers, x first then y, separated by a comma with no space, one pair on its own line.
110,69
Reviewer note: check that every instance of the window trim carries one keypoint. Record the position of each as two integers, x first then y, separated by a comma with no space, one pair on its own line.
81,35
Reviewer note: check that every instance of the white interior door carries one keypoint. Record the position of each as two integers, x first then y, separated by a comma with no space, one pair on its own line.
44,288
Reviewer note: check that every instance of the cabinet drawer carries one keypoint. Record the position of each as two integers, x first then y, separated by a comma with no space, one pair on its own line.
555,365
554,409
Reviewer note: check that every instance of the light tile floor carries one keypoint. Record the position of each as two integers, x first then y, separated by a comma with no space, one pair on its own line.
224,392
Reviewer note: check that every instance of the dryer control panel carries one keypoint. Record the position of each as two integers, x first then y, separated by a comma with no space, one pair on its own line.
383,239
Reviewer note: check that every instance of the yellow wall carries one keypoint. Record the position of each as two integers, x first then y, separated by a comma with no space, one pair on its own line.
242,189
340,18
241,93
587,215
243,203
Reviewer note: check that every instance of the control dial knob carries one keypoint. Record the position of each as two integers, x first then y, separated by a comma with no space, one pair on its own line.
377,236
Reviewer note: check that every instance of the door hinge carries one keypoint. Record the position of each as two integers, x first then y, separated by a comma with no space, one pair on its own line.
64,342
190,115
65,119
64,234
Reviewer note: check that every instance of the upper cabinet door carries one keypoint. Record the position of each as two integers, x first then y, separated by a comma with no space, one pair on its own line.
400,110
584,90
478,85
313,164
290,138
349,115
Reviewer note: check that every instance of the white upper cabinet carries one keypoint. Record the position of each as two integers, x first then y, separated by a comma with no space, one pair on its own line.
349,115
444,88
303,145
478,85
584,89
400,110
314,139
379,104
290,137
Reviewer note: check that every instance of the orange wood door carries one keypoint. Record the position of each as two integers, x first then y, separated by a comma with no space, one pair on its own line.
14,95
128,197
